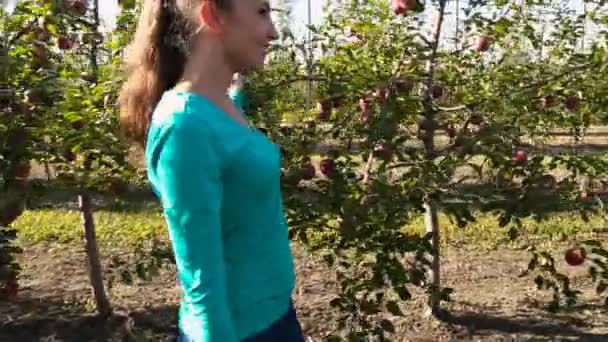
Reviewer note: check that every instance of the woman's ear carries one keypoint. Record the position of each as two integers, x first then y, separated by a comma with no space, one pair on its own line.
210,16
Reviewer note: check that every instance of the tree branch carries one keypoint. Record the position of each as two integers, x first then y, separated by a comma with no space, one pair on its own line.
303,78
558,76
453,109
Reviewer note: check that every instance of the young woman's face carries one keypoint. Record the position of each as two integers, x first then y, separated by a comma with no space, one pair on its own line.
246,32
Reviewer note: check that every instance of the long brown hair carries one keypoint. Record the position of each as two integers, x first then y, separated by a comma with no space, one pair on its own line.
156,59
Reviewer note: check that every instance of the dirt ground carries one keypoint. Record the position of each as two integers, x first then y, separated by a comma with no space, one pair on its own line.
490,303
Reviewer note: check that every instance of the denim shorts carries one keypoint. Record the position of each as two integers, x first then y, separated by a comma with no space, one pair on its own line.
285,329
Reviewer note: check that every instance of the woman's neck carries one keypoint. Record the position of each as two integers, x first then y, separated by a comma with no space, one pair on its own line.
207,73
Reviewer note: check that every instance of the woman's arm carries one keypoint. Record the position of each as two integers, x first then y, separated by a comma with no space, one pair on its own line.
189,181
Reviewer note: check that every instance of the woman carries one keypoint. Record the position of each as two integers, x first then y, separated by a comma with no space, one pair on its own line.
217,177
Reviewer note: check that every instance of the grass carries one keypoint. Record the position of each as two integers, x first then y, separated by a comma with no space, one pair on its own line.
114,227
131,225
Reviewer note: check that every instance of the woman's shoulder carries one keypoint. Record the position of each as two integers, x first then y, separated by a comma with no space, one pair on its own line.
196,121
179,110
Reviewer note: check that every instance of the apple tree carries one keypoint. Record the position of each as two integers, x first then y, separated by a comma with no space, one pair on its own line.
65,80
90,154
405,126
27,74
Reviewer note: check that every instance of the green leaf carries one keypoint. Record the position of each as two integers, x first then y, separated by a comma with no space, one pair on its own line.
600,251
592,243
126,277
52,28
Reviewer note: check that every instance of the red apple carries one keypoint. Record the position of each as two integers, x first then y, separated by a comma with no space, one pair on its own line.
483,43
575,256
327,166
571,102
64,43
401,7
520,157
587,194
436,91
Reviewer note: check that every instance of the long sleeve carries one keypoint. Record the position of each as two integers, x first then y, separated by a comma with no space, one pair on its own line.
187,172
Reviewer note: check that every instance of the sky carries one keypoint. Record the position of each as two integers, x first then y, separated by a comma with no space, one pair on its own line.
109,8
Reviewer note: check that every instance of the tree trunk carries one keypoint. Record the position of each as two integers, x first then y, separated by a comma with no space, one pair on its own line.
94,265
431,217
86,209
431,221
47,170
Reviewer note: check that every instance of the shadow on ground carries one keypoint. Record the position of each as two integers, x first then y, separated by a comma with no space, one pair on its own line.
478,322
52,319
53,194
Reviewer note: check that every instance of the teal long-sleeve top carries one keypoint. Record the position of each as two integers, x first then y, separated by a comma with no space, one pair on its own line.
219,184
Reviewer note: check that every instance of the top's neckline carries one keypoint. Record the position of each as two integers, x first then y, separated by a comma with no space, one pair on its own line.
207,101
